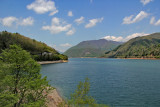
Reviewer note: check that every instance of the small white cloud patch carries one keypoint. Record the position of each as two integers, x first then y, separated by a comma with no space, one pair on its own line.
144,2
137,18
71,32
79,20
121,39
43,6
9,21
57,26
113,38
154,22
70,13
93,22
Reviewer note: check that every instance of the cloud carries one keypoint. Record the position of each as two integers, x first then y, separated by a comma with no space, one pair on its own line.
70,13
121,39
43,6
26,22
154,22
113,38
93,22
53,13
57,26
66,45
79,20
71,32
134,35
144,2
9,21
139,17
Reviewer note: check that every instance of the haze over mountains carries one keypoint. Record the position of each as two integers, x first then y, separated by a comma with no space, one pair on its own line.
91,48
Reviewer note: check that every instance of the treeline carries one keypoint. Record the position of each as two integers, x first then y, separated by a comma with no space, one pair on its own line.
139,47
39,51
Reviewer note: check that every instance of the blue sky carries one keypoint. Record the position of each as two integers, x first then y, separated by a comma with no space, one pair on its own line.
64,23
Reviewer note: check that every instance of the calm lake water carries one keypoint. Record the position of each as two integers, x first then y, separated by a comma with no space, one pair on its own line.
115,82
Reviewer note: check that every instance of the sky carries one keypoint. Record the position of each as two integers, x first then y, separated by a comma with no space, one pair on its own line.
62,24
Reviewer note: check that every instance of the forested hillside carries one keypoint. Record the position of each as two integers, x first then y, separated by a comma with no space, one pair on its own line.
39,51
91,48
139,47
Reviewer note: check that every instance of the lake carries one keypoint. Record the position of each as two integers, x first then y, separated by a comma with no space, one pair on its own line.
115,82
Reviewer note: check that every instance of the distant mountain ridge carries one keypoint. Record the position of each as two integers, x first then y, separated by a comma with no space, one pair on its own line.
91,48
139,47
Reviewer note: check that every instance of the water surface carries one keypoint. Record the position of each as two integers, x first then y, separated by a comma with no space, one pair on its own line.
116,82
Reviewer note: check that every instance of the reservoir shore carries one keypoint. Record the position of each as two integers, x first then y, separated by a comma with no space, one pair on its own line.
52,62
54,98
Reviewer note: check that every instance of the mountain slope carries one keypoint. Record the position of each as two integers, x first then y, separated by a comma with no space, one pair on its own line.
92,48
139,47
38,49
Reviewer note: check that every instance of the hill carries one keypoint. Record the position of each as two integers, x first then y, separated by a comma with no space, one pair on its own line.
91,48
39,51
139,47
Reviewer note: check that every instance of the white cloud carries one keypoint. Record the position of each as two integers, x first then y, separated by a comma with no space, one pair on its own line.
70,13
139,17
121,39
113,38
57,26
66,45
26,22
9,21
53,13
144,2
157,23
154,22
134,35
43,6
71,32
79,20
93,22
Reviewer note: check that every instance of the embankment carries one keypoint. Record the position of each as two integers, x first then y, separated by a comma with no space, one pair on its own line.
52,62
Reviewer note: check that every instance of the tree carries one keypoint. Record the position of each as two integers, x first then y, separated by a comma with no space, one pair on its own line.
80,96
21,83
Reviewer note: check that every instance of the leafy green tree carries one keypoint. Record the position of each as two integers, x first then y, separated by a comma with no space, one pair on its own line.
80,96
21,83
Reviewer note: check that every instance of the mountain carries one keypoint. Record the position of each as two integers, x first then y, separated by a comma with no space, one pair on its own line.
40,51
139,47
91,48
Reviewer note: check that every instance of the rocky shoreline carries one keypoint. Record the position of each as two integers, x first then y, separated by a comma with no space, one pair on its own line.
52,62
54,99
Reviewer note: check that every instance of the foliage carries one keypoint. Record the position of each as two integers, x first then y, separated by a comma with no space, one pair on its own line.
80,97
20,79
92,48
36,49
139,47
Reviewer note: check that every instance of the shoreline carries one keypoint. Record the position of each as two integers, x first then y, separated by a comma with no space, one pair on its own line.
52,62
54,98
120,58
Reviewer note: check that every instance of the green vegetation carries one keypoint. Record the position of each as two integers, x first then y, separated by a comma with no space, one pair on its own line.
39,51
80,97
92,48
139,47
21,84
